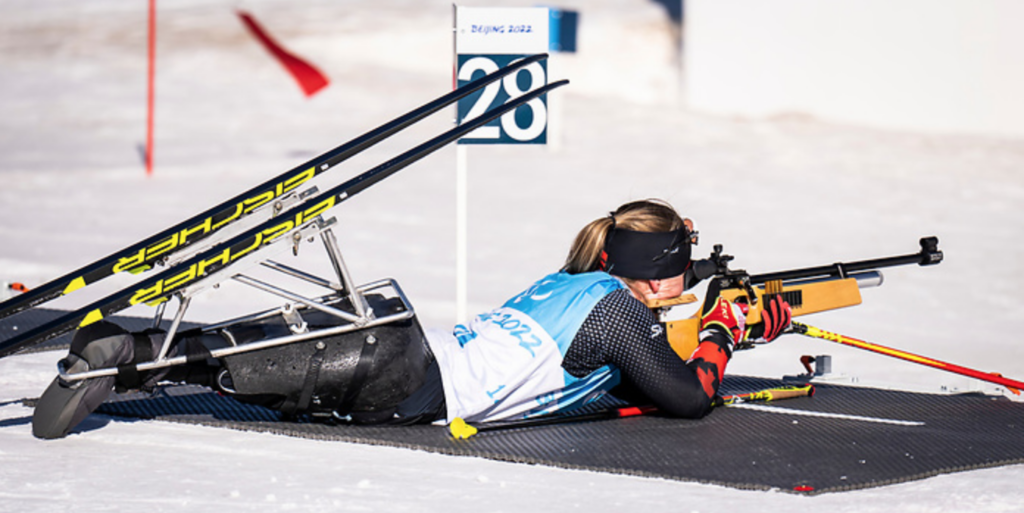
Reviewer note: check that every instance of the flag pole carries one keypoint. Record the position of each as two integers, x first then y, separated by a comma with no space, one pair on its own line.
150,93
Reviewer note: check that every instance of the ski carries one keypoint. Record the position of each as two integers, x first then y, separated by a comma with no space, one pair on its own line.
141,255
284,227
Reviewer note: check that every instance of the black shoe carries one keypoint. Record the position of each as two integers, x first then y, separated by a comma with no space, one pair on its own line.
65,404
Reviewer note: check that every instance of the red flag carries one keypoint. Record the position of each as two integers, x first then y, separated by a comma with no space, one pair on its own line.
309,78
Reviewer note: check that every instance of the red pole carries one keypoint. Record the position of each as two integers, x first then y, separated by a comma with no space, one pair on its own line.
150,94
991,377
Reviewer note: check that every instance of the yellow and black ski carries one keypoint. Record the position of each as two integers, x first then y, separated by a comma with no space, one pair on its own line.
159,287
143,254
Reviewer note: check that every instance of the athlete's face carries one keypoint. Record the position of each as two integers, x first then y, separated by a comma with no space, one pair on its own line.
668,288
647,290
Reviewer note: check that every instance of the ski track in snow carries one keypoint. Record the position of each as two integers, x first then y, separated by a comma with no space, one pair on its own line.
779,193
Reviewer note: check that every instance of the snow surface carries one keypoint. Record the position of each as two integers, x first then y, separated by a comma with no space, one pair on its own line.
784,192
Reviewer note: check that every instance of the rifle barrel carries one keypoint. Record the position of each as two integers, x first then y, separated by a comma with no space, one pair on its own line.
929,255
865,279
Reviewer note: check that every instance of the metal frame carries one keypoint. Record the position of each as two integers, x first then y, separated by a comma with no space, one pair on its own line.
361,318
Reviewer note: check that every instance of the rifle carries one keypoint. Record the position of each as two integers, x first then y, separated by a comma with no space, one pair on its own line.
808,290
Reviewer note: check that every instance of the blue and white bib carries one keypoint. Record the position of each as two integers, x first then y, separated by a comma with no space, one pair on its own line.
507,363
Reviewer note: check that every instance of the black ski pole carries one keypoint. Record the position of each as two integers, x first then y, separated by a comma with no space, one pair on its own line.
460,429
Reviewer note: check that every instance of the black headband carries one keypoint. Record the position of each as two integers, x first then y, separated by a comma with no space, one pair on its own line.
646,255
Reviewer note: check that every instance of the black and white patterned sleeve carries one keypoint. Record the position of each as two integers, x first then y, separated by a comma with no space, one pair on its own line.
623,332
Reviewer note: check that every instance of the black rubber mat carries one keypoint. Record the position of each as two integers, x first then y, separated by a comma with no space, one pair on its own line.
872,438
843,438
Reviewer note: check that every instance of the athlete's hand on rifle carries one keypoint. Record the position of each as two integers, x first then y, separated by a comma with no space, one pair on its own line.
776,316
727,316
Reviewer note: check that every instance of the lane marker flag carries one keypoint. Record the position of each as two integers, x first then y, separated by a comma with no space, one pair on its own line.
310,79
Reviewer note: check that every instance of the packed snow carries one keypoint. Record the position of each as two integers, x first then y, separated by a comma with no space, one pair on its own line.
782,192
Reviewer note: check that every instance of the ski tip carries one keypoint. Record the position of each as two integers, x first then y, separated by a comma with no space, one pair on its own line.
460,430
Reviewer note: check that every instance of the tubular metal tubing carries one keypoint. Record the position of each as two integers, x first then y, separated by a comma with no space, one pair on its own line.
408,313
323,299
265,314
255,346
277,291
302,275
331,243
158,316
185,300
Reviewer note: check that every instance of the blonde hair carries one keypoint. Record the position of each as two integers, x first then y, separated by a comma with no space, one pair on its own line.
650,215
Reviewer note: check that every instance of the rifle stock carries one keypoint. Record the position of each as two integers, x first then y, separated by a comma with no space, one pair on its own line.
804,298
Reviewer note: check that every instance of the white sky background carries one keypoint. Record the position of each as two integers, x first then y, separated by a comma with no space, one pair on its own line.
939,66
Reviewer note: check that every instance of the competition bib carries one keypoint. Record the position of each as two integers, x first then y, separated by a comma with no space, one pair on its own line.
507,363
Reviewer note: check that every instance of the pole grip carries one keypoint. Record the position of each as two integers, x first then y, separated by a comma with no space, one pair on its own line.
766,395
791,393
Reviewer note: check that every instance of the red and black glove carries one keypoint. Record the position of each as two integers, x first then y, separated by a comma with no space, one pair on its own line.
776,316
721,330
726,316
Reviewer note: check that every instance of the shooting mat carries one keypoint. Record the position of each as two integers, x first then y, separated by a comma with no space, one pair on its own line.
869,437
872,438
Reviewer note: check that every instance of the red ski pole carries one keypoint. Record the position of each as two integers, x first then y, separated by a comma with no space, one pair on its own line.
803,329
